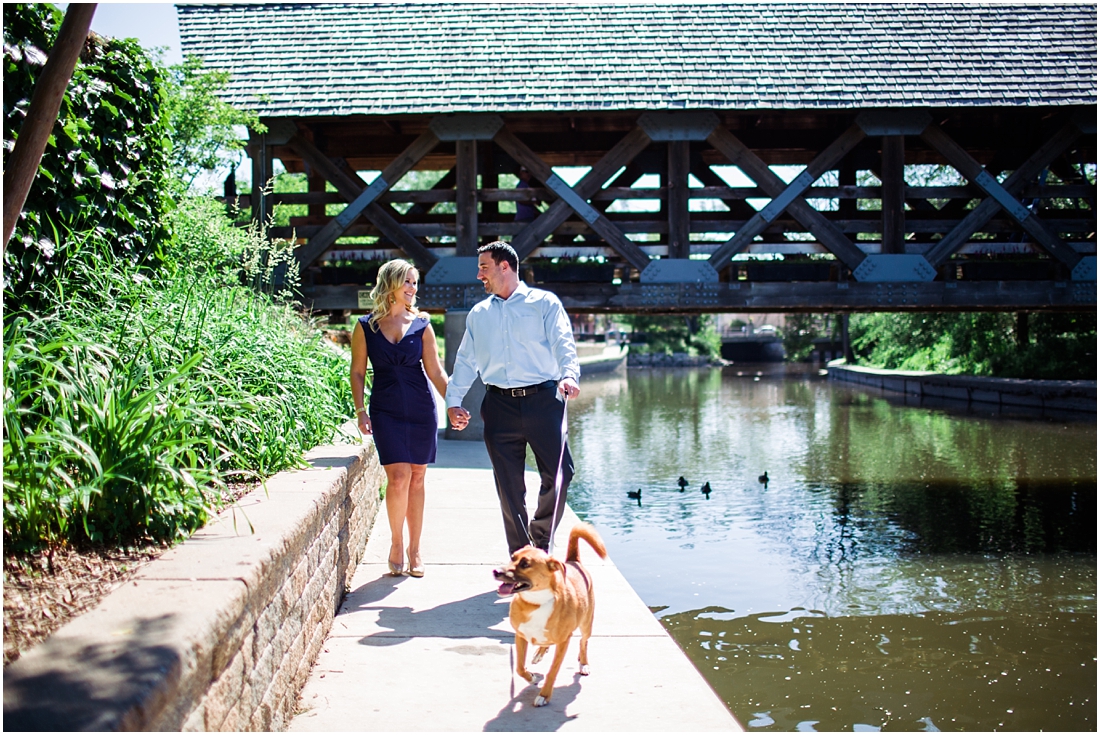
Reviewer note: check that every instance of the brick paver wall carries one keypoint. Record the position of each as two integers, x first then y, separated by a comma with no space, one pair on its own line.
220,633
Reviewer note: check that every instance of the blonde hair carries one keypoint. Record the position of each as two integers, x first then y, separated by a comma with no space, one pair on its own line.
390,280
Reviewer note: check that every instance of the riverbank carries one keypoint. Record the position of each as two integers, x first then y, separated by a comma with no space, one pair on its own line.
1054,398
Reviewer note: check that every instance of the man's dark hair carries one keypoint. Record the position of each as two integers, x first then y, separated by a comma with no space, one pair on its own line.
499,250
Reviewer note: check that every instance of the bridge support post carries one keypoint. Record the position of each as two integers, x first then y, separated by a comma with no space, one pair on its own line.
454,326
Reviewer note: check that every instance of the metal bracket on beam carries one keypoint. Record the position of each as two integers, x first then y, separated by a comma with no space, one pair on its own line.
666,126
453,270
466,127
894,269
678,270
1085,270
893,122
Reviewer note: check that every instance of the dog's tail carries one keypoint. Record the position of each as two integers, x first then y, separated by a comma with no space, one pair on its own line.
585,531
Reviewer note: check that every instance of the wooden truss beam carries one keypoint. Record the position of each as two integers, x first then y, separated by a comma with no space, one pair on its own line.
679,219
575,199
356,191
466,198
786,198
1002,195
805,296
893,194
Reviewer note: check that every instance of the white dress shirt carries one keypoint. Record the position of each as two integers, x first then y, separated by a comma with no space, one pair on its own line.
514,343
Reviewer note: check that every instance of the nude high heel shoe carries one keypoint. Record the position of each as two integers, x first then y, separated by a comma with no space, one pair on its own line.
396,570
415,570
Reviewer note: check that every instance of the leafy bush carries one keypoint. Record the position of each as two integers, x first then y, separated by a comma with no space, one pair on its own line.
105,167
694,335
801,330
131,401
1062,346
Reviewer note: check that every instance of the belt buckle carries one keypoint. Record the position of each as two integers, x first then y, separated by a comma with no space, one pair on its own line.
517,392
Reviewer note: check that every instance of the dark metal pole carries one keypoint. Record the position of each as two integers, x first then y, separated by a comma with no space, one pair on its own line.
49,90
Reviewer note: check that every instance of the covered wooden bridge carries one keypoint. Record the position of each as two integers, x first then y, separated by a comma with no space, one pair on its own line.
682,158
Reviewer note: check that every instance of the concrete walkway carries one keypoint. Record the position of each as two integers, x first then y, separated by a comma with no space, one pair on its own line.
437,653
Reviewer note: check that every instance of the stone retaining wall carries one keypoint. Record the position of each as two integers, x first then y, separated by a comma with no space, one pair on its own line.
676,359
221,631
1048,397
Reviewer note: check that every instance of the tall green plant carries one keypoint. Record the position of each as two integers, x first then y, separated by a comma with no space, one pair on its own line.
131,401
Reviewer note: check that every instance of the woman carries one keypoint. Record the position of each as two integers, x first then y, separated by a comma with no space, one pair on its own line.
401,346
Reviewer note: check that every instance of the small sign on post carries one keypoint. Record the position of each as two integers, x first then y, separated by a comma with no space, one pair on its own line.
363,299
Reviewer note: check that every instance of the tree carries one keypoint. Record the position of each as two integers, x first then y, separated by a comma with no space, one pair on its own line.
979,343
670,334
203,127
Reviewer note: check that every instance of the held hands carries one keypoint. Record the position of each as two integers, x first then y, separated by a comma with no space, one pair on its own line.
459,417
569,388
365,425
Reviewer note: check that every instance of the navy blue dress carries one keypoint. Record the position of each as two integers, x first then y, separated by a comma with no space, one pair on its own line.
401,409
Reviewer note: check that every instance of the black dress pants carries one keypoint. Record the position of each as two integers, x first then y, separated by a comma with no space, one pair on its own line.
512,423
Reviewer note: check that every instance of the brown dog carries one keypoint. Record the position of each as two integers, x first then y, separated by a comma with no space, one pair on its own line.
552,599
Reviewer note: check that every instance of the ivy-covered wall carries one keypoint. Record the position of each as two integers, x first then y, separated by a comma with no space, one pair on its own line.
106,163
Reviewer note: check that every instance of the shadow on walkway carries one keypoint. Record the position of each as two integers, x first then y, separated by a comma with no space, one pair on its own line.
480,616
520,715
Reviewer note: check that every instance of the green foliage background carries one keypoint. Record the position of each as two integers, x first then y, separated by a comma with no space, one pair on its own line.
105,166
152,353
694,335
1062,346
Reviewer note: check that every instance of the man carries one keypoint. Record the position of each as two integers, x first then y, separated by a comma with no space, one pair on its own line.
521,343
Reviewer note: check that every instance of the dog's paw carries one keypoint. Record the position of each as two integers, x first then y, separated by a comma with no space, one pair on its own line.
538,655
585,670
541,701
526,675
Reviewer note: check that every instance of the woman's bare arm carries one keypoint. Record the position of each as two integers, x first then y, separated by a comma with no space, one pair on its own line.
432,366
359,377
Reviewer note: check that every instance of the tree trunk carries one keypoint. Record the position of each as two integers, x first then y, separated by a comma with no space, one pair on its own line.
49,90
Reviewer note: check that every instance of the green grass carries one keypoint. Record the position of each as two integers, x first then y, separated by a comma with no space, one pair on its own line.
137,394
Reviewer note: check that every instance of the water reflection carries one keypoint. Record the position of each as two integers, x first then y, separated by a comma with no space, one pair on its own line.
978,670
876,517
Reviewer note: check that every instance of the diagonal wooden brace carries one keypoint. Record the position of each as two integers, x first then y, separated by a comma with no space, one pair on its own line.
575,199
361,196
1005,196
787,197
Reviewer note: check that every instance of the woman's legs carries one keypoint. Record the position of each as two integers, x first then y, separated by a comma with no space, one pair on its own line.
397,503
415,510
405,503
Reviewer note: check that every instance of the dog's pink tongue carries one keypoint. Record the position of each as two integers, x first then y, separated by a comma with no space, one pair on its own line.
506,588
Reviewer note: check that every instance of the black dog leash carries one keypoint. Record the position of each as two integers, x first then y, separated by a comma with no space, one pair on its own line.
557,477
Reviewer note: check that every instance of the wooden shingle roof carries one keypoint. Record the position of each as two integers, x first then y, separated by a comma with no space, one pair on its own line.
423,58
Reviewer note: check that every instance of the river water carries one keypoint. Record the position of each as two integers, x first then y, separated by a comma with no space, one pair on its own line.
902,569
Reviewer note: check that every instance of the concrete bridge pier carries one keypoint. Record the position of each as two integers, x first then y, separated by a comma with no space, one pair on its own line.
454,326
